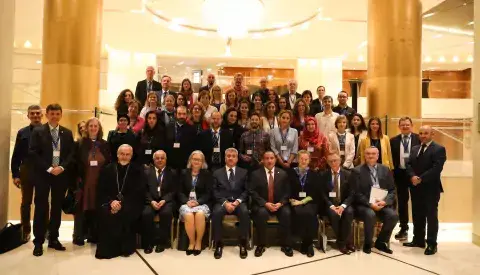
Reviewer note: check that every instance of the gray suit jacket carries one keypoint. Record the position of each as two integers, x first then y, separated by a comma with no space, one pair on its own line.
360,178
224,191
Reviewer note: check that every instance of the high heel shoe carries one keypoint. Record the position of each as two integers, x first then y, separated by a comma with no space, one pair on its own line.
190,251
196,252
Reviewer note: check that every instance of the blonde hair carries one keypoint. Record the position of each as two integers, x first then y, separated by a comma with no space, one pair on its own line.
100,128
197,152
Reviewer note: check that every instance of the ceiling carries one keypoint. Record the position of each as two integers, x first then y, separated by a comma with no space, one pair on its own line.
126,26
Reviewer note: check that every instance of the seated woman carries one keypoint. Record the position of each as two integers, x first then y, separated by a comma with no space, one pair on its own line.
315,143
151,139
152,104
121,135
300,112
231,101
123,99
269,118
195,197
342,143
197,118
376,138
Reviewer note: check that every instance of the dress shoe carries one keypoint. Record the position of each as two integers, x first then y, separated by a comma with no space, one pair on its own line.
26,237
383,247
310,251
259,251
196,252
431,250
414,244
159,249
79,242
402,235
344,250
243,252
189,252
287,250
218,252
367,248
148,249
56,245
38,251
351,247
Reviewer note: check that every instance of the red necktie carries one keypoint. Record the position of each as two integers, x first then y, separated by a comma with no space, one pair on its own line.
270,186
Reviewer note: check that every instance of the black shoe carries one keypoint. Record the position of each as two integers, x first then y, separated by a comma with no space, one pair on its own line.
92,240
414,244
351,247
344,250
402,235
148,249
310,251
56,245
159,249
383,247
259,251
287,250
38,251
367,248
196,252
218,252
79,242
189,252
243,252
431,250
303,248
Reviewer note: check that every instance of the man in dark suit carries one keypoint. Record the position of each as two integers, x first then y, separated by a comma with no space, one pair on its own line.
270,192
51,148
160,200
317,105
231,196
214,142
22,166
166,82
342,108
147,85
210,83
338,196
402,145
424,169
180,138
366,177
292,94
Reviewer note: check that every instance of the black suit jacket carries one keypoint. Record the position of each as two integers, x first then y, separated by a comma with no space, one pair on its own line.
428,167
177,157
316,107
258,185
141,90
312,186
206,144
224,191
20,156
203,188
41,148
205,88
396,146
361,179
168,188
347,190
287,96
349,112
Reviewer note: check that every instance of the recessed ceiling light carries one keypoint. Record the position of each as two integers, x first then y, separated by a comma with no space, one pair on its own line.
470,59
441,59
156,20
39,61
257,36
361,58
428,15
201,33
27,44
305,25
209,70
455,59
175,27
427,59
180,63
284,31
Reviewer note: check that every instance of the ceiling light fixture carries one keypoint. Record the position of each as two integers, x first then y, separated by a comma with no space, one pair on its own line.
447,30
470,59
305,25
471,23
455,59
39,62
427,59
27,44
428,15
441,59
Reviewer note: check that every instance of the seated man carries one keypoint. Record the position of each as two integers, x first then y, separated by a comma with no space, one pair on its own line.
365,177
270,191
160,201
231,196
121,196
338,196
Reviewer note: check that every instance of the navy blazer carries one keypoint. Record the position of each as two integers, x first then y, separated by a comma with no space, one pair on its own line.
224,191
20,155
429,167
258,185
347,190
361,179
203,188
396,145
206,144
168,189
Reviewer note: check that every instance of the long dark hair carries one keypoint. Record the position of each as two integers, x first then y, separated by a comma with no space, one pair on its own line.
362,127
146,128
225,123
121,98
369,130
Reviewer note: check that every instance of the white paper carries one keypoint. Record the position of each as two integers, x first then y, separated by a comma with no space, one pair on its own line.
377,194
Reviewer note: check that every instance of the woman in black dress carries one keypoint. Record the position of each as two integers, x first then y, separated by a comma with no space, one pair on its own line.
121,135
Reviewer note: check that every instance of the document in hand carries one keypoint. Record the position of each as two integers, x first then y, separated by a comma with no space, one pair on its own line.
377,194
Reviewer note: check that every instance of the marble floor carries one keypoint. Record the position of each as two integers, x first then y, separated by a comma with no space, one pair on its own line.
456,256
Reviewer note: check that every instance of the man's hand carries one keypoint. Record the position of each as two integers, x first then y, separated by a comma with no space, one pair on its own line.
416,180
17,182
236,203
116,206
277,205
161,203
56,171
375,207
381,203
340,210
270,207
286,164
155,205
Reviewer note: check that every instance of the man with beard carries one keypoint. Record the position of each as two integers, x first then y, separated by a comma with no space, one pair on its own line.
253,144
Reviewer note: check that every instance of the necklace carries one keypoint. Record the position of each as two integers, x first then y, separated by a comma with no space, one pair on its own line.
120,190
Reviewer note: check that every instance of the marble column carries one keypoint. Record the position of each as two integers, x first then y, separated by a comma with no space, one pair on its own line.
475,136
394,59
72,34
7,11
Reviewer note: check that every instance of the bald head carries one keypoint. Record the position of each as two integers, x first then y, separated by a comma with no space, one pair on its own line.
216,120
292,86
124,154
150,72
426,134
263,82
160,159
211,79
371,155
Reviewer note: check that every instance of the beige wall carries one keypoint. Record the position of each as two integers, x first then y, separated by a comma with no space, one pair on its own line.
475,133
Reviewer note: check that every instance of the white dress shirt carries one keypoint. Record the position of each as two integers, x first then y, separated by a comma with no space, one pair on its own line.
268,174
426,147
49,170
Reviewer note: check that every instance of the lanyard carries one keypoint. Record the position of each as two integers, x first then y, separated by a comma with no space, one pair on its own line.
284,137
303,179
56,142
405,142
194,182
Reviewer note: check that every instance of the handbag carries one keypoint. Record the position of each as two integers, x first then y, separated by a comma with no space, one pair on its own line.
69,203
11,237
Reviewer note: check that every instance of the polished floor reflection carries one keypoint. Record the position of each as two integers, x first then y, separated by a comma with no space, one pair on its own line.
456,256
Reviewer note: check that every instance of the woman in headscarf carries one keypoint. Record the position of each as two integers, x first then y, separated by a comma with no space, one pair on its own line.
312,140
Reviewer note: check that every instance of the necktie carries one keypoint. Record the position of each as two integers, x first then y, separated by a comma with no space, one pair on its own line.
231,178
270,186
149,86
422,150
405,144
335,188
373,176
56,140
215,155
159,181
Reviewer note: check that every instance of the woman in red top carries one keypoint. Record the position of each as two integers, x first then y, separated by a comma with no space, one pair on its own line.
312,140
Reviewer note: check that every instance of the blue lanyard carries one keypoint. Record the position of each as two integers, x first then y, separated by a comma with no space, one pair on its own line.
284,137
303,179
405,144
194,182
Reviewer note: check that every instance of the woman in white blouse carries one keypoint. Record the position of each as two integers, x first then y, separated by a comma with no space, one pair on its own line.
342,142
204,98
269,119
284,140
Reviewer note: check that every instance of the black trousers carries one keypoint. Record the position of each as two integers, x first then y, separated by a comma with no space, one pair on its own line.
27,187
85,224
219,211
306,222
424,210
261,216
342,225
165,213
57,185
387,215
402,182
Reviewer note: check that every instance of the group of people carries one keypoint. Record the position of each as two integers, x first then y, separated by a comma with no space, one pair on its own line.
254,156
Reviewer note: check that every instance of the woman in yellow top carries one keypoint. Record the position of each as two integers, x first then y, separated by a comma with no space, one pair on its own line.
376,138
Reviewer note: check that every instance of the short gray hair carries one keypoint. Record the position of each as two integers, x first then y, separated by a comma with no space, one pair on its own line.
197,152
231,150
159,152
124,146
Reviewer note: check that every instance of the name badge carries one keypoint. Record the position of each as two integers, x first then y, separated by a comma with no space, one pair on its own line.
216,150
158,189
406,155
192,196
310,149
148,152
332,194
342,153
249,152
93,163
302,194
56,153
283,148
176,145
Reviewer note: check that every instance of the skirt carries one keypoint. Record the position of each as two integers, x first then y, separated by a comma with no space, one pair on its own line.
184,209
